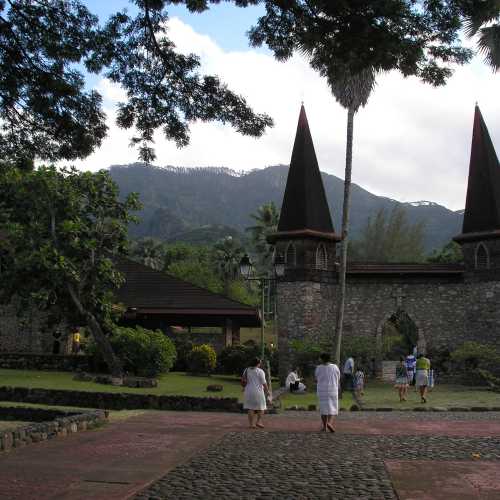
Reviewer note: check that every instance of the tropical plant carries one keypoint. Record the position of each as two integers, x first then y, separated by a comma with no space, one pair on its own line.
266,222
480,17
149,252
63,230
227,256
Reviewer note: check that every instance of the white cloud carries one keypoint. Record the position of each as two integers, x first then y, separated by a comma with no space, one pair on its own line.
411,142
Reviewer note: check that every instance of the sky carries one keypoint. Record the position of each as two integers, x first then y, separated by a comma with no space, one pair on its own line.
411,142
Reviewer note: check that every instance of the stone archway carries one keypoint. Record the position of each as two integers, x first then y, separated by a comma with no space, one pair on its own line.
420,341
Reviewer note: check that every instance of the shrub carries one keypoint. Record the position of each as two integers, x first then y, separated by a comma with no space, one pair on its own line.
234,359
473,355
143,352
183,346
202,359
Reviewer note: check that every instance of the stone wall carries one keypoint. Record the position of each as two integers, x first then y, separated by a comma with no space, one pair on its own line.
446,311
305,312
117,401
30,361
64,424
24,328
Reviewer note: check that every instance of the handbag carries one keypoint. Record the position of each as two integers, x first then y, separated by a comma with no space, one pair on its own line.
244,380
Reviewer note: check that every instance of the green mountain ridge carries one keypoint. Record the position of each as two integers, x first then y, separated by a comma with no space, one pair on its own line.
206,203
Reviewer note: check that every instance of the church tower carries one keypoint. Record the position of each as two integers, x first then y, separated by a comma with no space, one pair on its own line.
480,238
305,243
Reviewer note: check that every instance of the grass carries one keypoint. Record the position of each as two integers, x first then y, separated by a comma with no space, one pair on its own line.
383,395
377,394
174,383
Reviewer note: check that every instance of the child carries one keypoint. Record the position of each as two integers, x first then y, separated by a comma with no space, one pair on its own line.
359,383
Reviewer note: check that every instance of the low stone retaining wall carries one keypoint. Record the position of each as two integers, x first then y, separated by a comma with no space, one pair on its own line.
29,361
117,401
64,424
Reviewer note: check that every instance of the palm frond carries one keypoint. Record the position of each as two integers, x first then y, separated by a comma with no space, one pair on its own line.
351,90
489,45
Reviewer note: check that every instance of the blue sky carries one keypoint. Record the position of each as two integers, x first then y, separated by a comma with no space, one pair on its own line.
224,23
412,141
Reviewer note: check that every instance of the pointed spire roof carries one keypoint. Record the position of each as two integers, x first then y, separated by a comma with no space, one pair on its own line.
304,211
482,207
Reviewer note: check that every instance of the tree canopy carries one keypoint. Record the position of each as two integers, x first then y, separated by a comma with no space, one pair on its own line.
389,238
48,113
418,38
63,230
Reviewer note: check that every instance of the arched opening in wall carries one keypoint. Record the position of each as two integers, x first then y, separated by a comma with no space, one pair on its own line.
482,257
291,255
56,347
399,336
321,258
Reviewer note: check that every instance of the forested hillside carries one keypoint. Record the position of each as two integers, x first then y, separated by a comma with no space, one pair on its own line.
204,204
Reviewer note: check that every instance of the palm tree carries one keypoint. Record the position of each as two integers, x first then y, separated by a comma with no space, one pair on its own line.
149,252
227,256
351,90
480,21
266,218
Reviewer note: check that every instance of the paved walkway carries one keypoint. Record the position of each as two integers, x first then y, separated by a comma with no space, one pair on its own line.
163,455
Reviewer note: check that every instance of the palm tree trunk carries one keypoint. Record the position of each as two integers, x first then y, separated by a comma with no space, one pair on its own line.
345,233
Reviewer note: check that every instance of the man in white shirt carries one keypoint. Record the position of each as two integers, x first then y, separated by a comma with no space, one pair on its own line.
348,373
293,383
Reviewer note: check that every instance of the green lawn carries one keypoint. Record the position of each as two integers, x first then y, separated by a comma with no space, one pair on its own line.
381,394
377,394
169,384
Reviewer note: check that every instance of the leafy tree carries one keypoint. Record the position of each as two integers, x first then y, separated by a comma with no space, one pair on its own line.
197,273
450,253
472,355
266,222
390,238
63,229
47,112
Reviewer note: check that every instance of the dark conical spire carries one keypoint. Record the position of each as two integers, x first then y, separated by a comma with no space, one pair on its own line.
482,208
305,207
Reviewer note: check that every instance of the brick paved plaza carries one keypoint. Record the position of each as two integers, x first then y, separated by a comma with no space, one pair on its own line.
373,455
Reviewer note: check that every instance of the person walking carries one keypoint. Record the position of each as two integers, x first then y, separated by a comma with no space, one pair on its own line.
327,377
402,379
359,383
256,391
422,376
410,362
348,373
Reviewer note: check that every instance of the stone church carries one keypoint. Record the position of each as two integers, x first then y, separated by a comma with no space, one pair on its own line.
448,303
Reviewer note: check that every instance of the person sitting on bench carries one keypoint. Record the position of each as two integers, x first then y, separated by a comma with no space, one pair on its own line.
293,383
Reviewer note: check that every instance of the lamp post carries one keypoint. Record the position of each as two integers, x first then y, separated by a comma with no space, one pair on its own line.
246,271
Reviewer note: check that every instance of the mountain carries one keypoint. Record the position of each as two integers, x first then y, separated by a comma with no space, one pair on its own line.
202,204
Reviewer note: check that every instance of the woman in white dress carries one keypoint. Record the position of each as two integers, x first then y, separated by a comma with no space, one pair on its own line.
256,391
327,377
